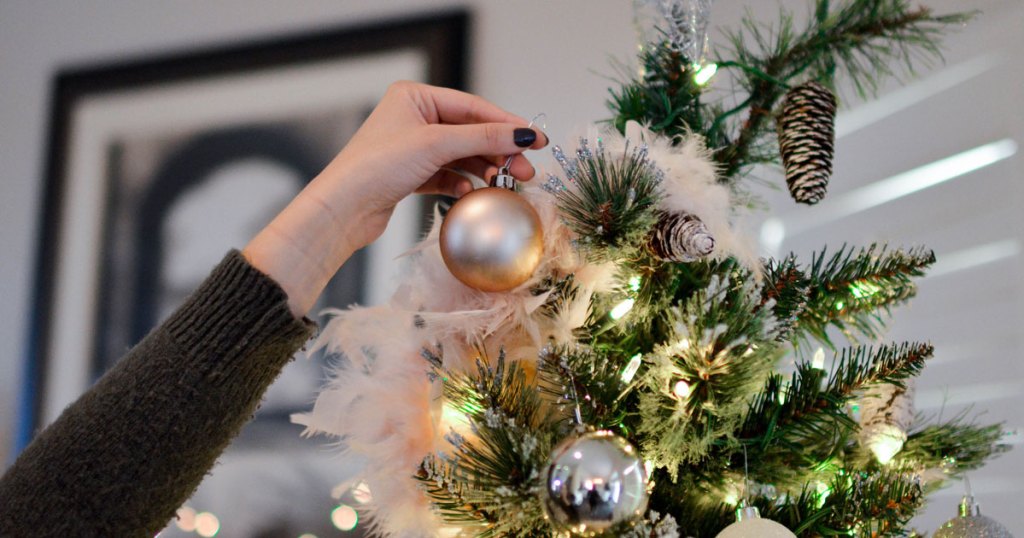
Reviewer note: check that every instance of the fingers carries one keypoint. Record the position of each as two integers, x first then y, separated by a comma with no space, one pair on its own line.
447,182
453,106
484,168
454,142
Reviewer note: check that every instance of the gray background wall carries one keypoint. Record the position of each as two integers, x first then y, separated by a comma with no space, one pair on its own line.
532,56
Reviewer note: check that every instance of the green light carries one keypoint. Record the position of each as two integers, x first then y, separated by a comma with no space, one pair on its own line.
863,289
840,305
704,74
634,283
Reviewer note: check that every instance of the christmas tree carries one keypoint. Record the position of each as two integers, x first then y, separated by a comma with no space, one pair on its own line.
632,385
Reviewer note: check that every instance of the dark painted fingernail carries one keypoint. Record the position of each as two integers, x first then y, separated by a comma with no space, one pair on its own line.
524,137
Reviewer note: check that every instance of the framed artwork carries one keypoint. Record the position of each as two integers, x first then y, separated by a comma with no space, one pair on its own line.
156,168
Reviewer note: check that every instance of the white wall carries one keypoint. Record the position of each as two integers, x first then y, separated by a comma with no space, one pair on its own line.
532,56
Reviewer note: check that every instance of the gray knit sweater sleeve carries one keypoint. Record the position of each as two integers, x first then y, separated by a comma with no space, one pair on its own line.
121,460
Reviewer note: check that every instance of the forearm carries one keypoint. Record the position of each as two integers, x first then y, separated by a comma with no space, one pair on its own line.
128,453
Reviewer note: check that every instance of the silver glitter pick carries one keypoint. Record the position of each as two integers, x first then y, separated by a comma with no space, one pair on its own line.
553,185
569,167
686,24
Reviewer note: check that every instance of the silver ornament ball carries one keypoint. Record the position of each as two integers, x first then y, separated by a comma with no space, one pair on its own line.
971,524
492,239
594,481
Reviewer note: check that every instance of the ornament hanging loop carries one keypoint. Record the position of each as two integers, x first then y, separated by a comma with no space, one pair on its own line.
503,178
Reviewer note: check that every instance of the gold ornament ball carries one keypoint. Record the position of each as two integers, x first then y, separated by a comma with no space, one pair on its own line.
492,239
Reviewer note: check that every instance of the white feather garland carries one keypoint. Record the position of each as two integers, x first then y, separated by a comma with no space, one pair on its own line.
379,402
691,186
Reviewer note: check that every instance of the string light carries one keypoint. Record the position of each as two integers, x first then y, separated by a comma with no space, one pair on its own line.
705,73
207,525
887,442
818,361
344,517
186,519
622,309
361,493
681,389
631,368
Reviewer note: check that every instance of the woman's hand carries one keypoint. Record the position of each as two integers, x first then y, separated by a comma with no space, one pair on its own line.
414,141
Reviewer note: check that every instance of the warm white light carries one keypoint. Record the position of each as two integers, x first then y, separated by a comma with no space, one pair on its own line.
451,417
344,517
683,343
887,443
681,389
307,535
207,525
818,361
361,493
621,309
631,368
705,73
186,519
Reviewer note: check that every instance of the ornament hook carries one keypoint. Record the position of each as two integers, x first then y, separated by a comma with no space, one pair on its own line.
503,178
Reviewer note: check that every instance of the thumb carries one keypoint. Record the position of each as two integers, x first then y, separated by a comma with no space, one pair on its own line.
453,142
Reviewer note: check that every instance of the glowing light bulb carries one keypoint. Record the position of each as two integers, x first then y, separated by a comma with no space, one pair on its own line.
818,361
622,309
186,519
361,493
681,389
887,443
207,525
631,368
634,283
344,517
705,73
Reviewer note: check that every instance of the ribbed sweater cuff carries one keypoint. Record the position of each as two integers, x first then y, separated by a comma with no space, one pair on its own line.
236,311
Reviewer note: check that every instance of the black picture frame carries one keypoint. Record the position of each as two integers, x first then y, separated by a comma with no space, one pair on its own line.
440,38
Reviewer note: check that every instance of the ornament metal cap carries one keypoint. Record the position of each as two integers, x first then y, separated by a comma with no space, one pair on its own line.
968,507
743,513
503,179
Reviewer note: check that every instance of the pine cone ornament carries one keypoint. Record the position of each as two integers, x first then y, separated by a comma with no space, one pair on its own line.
681,237
807,140
886,414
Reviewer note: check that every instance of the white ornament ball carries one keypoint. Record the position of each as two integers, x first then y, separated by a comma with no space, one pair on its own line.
492,240
750,524
594,481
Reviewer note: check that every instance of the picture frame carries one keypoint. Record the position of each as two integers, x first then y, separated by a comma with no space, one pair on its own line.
128,140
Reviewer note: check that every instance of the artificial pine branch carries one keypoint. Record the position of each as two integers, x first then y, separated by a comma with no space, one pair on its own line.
610,205
788,288
852,290
863,38
571,377
489,482
803,423
954,447
718,345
